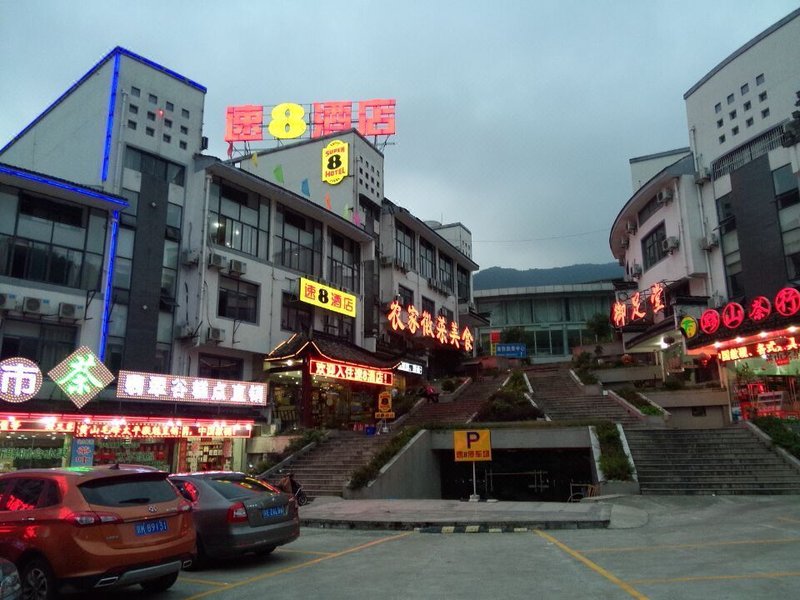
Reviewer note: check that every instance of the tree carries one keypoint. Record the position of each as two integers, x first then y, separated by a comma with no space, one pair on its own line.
599,326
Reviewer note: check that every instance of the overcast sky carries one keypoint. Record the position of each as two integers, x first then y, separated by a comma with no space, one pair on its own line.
515,118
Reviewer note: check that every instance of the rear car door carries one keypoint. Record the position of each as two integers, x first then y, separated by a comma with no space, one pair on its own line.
29,512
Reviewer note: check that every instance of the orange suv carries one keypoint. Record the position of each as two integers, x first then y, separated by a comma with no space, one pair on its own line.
94,528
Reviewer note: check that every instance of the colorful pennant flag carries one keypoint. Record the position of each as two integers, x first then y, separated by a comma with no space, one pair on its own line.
304,188
278,172
327,200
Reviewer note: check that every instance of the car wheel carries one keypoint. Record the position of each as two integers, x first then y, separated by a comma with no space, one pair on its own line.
38,582
264,551
161,583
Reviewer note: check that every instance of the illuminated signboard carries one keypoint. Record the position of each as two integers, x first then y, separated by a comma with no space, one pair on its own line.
123,427
639,307
20,379
425,325
199,390
787,347
327,297
348,372
335,162
288,120
474,445
81,376
733,314
409,367
689,326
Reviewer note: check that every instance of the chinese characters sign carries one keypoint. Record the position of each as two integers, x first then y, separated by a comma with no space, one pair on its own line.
511,350
640,307
246,123
327,297
357,373
81,376
472,445
784,347
335,162
173,388
447,334
733,314
20,379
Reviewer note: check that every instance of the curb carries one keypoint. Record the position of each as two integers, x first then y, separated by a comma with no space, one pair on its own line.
485,527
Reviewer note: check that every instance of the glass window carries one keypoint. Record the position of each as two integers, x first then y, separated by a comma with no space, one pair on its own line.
138,489
404,244
406,295
239,220
237,300
760,79
446,271
427,259
344,262
298,242
785,185
295,315
718,107
730,98
45,344
744,89
652,246
463,280
153,165
220,367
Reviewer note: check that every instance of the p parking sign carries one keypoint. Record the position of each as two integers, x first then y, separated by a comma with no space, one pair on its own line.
472,445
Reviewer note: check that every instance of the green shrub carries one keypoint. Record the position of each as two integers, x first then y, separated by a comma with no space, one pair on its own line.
509,403
780,433
366,473
306,437
586,376
632,396
448,385
613,461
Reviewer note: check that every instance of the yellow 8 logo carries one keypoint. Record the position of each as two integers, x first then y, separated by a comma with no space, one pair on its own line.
287,121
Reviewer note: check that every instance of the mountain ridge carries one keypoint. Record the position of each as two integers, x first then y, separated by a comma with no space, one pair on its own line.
502,277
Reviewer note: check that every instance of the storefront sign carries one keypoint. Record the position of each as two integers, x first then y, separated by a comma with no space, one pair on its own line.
472,445
689,326
81,376
785,347
424,324
408,367
348,372
288,120
327,297
199,390
335,162
640,307
511,350
733,314
20,379
82,452
89,426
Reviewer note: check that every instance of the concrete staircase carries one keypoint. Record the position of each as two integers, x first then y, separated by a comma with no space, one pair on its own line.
555,392
708,461
456,410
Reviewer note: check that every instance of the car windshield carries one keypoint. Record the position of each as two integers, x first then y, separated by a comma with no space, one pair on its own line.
246,487
124,491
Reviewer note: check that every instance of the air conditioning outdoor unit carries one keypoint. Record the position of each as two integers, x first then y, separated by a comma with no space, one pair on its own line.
216,260
32,305
215,334
387,261
630,227
637,271
702,175
709,242
8,301
190,257
624,242
670,244
67,310
183,332
237,267
664,196
432,283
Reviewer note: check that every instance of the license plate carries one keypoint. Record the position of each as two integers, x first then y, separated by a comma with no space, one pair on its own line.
273,511
151,527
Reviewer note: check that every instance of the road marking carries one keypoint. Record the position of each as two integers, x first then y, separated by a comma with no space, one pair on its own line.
473,529
204,581
776,575
303,565
312,552
685,546
593,566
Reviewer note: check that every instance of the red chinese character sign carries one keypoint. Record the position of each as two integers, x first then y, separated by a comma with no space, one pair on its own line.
642,306
734,315
447,334
787,302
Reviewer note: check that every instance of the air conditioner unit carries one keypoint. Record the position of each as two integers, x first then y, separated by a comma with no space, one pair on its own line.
387,261
32,305
237,267
664,196
8,302
702,176
670,244
432,283
216,260
183,332
630,227
215,334
624,242
636,271
709,242
67,310
190,257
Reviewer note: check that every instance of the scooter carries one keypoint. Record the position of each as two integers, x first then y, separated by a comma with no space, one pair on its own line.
290,485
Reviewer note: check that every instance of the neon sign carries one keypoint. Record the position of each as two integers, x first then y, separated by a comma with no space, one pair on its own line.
788,349
327,297
424,323
173,388
335,162
20,379
81,376
640,306
733,315
245,123
347,372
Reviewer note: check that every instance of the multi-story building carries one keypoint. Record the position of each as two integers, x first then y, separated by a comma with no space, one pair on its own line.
196,275
723,235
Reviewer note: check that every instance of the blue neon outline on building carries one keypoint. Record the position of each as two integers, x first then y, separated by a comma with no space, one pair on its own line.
61,184
112,103
107,304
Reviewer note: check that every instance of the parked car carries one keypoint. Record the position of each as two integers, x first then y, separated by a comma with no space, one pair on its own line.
10,585
94,528
235,514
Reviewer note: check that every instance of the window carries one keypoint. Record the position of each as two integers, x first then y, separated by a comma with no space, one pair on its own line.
462,281
652,246
339,325
133,109
749,121
136,92
719,123
446,272
184,113
765,113
722,139
718,107
649,209
153,165
427,259
52,242
428,306
735,131
344,263
124,260
150,131
725,215
166,138
167,123
404,244
170,106
298,242
152,99
730,98
238,300
131,124
151,116
748,105
220,367
732,115
406,295
785,186
295,315
744,89
238,220
182,145
184,130
44,344
762,97
760,79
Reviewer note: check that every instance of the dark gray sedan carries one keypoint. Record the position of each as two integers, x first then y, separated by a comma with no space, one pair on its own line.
235,514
